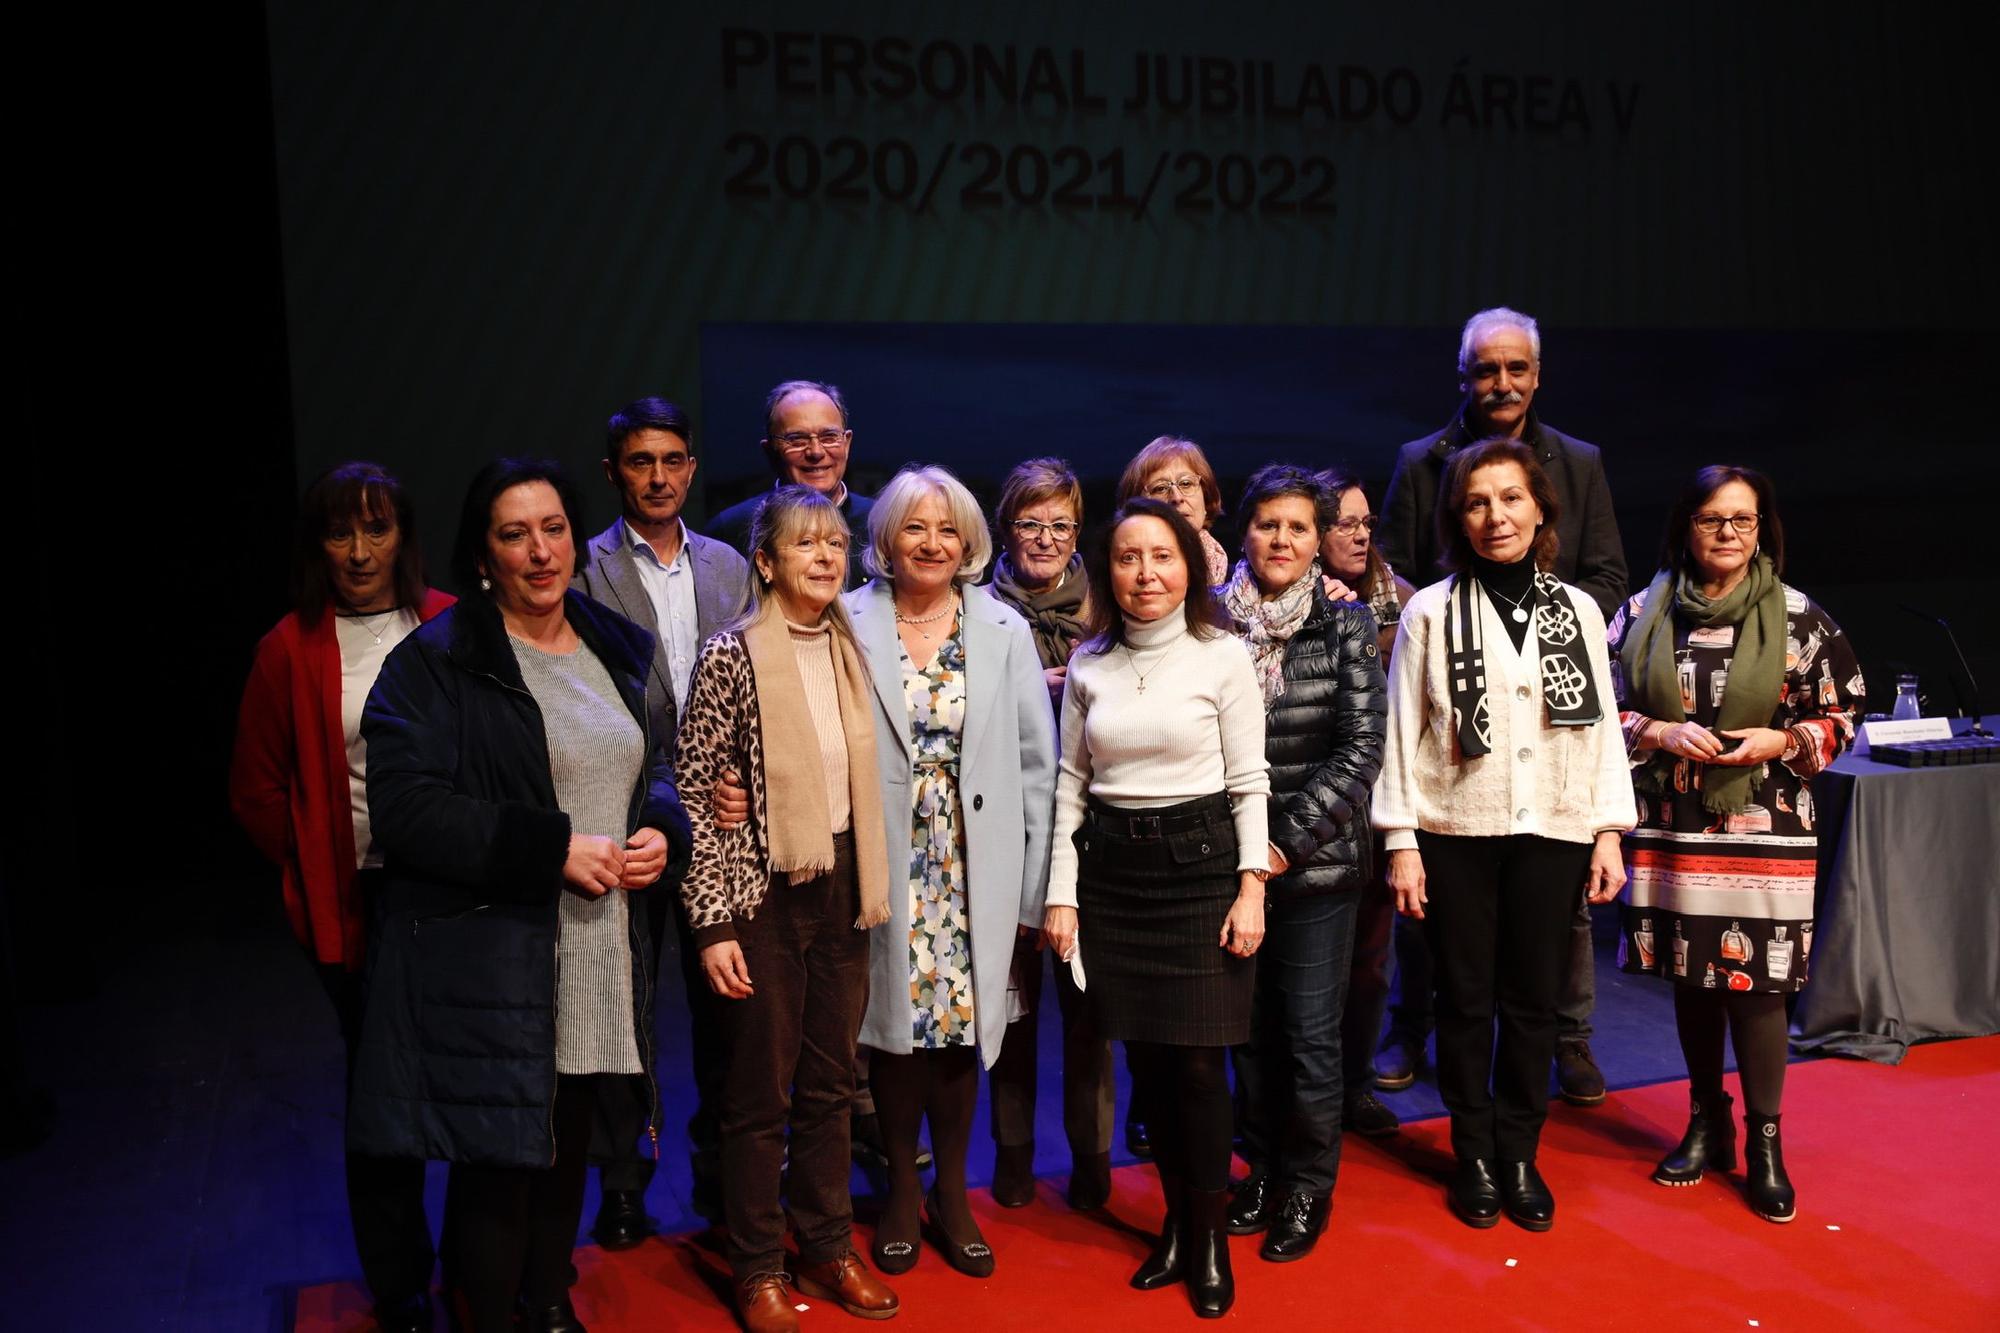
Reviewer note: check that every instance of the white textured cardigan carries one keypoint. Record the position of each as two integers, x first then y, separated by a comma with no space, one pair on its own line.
1564,783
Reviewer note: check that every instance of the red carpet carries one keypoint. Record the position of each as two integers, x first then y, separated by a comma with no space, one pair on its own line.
1898,1172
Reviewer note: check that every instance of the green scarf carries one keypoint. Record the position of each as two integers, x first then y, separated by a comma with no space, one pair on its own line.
1756,606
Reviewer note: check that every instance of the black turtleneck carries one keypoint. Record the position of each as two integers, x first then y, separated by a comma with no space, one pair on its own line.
1508,586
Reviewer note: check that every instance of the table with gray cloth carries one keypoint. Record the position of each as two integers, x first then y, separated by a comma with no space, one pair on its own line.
1907,929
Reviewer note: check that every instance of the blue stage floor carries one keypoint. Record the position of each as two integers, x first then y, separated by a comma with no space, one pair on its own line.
194,1177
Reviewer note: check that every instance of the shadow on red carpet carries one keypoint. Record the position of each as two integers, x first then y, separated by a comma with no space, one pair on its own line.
1898,1173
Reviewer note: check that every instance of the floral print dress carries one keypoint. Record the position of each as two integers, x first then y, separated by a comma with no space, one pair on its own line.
940,941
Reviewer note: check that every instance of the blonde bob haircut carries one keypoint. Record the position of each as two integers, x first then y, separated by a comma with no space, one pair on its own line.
904,492
1171,451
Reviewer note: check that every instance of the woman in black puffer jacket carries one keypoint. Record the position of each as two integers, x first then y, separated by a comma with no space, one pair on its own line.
1325,698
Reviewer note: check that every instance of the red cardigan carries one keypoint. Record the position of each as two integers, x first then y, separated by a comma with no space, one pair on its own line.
288,780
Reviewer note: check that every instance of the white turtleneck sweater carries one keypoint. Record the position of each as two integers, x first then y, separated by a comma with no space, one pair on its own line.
1196,729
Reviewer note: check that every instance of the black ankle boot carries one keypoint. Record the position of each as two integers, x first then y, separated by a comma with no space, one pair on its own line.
1163,1266
1250,1205
1765,1183
1209,1281
1709,1144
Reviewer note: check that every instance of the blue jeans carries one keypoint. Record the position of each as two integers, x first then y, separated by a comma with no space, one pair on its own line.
1289,1072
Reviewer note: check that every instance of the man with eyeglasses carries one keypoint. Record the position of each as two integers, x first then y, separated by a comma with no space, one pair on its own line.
807,439
1499,370
680,587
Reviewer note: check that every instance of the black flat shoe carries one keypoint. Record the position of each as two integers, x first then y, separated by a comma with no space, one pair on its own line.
1014,1175
1524,1197
1250,1205
559,1317
621,1220
1137,1141
1296,1225
974,1258
1474,1195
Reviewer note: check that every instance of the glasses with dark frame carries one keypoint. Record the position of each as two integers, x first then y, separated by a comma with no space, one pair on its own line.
798,441
1708,525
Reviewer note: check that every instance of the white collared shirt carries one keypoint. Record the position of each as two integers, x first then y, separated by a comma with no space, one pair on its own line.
671,590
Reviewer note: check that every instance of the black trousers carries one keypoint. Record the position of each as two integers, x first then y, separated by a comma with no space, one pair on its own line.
512,1227
623,1161
385,1195
1089,1095
1498,924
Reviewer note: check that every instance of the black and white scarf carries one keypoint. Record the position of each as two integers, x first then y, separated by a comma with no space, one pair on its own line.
1567,685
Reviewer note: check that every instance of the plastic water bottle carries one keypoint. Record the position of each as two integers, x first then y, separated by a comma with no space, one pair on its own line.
1907,708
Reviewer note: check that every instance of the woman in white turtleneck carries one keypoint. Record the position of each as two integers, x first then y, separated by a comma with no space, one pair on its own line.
1159,863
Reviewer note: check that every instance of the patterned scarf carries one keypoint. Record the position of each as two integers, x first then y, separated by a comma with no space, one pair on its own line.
1567,685
1756,606
1269,626
1055,614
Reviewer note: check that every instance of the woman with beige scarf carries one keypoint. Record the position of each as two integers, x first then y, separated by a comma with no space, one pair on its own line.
781,905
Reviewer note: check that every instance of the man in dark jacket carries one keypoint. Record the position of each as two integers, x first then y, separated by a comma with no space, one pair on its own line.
1499,370
806,438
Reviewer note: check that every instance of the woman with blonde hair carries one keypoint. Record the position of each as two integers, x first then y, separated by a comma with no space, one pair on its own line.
965,744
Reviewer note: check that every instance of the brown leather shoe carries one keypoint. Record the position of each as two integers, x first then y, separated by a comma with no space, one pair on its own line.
847,1282
765,1306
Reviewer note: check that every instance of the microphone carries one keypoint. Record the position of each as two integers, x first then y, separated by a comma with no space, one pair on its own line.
1978,726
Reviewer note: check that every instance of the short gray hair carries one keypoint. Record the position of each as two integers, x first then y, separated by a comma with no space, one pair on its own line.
790,387
903,493
1499,317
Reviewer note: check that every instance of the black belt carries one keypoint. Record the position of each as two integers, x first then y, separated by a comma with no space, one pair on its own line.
1144,828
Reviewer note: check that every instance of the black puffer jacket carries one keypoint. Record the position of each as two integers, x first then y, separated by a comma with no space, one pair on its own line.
458,1049
1324,737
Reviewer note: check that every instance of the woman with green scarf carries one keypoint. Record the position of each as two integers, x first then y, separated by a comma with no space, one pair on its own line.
1734,690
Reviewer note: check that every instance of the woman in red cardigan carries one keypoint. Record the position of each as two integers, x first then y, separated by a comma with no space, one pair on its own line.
296,785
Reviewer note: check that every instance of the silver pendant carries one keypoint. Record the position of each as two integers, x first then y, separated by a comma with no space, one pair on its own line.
1142,686
1520,615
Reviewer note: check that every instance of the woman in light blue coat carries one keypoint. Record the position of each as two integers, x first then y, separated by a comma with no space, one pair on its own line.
966,742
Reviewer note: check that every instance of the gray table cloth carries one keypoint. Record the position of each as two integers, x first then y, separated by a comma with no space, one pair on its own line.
1907,933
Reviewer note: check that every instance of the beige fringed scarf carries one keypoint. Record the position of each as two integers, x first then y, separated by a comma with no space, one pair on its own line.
801,830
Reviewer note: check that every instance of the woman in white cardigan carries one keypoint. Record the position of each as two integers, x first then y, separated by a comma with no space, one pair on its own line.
1504,793
965,742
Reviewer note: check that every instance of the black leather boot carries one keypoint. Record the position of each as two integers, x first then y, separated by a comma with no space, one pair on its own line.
1163,1266
1525,1197
1474,1194
1296,1225
1765,1183
1709,1144
1209,1281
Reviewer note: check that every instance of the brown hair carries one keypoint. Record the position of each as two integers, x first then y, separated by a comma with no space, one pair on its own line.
1338,482
352,491
1457,547
1700,490
1037,481
1205,618
1166,452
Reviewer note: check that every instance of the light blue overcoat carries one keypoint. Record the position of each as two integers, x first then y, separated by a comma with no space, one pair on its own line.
1007,787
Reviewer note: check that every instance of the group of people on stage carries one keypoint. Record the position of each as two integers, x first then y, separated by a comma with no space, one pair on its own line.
881,764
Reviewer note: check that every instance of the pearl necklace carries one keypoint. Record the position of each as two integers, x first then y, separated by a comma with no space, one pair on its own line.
950,604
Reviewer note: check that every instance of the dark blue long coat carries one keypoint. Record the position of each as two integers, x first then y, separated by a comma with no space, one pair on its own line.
458,1049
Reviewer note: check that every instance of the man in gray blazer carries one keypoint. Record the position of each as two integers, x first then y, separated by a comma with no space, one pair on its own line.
681,587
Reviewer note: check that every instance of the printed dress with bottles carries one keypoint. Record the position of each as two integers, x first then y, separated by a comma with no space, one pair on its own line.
1726,901
940,942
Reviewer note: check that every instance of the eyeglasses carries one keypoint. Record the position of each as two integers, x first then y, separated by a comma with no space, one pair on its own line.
1347,527
1031,529
1710,524
798,441
1164,490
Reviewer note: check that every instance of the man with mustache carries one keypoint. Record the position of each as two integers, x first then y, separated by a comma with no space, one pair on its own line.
680,587
1499,370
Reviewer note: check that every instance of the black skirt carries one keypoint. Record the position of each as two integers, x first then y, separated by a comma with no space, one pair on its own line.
1153,890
